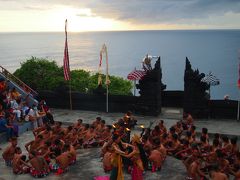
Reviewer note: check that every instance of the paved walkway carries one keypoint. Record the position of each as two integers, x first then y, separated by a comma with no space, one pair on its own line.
170,117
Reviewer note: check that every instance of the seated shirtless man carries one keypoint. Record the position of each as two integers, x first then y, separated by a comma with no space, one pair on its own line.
104,136
72,137
36,131
194,172
35,144
215,173
78,124
100,127
44,150
96,122
156,158
57,128
236,171
161,149
71,152
39,167
222,162
63,161
162,127
89,137
107,157
19,162
9,152
175,145
47,133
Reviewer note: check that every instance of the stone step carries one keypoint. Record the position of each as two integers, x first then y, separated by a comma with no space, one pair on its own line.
172,113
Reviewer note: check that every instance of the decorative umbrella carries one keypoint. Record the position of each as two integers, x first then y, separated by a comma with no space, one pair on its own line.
211,80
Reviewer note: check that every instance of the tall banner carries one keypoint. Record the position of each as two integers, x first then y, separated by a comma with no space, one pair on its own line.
107,82
66,68
99,70
107,74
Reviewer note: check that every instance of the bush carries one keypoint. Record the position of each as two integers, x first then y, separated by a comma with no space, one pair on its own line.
44,74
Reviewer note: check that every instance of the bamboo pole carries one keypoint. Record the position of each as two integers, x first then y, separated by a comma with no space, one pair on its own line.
70,95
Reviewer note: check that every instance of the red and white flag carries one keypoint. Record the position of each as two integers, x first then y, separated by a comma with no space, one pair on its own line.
66,68
136,75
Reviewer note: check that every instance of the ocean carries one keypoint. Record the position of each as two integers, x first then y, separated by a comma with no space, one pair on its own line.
207,50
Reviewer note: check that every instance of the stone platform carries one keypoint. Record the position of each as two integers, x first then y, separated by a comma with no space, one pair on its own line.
88,162
89,165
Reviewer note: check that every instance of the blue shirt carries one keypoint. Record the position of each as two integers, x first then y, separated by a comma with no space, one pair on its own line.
3,123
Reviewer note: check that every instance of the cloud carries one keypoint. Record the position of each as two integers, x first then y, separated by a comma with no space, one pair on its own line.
36,8
163,11
143,11
86,15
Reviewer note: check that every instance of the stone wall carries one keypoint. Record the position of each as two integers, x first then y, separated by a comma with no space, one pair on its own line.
216,109
223,109
172,99
89,102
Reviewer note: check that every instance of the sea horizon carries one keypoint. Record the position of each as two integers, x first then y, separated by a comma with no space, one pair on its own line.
207,50
138,30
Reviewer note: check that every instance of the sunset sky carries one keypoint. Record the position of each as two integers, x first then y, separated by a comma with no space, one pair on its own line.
110,15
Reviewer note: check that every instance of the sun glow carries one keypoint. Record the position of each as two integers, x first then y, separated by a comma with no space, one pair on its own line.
53,20
85,20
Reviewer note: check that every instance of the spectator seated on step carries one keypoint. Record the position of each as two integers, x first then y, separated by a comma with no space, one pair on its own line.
45,112
15,94
7,98
6,125
24,109
33,116
27,89
3,85
2,112
11,121
16,108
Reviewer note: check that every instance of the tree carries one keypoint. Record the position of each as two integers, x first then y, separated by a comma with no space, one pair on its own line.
40,73
118,85
44,74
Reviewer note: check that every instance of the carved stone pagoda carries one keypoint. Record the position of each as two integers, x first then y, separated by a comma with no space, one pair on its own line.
150,88
195,95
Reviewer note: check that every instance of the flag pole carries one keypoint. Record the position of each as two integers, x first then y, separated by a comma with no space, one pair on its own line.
107,100
238,85
134,92
70,94
107,78
209,91
238,105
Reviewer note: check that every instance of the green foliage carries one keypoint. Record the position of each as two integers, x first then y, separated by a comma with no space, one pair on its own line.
80,80
40,73
118,85
43,74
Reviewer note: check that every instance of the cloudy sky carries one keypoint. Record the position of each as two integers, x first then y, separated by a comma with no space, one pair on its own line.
98,15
